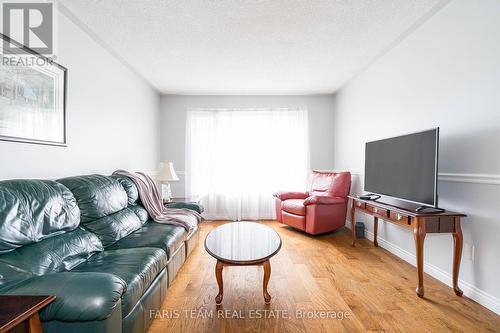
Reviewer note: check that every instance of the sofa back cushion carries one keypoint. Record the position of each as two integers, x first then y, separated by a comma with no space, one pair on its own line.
104,205
134,201
96,195
141,212
332,184
33,210
129,187
55,254
114,227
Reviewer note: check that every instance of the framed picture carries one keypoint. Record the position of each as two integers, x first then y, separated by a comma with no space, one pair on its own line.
32,97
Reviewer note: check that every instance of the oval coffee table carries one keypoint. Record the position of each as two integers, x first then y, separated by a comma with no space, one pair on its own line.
242,244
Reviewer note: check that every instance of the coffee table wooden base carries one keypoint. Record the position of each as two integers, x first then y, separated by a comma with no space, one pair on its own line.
218,275
242,244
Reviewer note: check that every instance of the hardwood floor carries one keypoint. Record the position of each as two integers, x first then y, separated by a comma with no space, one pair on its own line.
322,275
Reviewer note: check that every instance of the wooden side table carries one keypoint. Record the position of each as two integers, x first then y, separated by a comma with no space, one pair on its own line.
20,313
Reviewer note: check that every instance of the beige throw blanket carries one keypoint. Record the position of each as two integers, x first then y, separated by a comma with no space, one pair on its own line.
153,203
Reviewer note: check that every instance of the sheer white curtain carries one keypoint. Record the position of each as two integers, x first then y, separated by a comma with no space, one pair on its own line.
237,158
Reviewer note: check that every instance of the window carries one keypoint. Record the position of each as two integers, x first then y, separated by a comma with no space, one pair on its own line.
237,158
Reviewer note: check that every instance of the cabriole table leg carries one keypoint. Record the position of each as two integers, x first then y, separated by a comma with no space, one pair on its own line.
218,275
267,275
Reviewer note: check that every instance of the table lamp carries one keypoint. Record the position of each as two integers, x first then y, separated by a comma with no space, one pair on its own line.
166,175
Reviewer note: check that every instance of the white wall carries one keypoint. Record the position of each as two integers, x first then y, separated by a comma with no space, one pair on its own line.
112,117
446,74
173,120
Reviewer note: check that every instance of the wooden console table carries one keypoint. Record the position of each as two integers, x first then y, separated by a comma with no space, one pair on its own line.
421,223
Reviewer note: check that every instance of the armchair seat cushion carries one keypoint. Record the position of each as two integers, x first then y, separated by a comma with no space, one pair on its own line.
137,267
294,206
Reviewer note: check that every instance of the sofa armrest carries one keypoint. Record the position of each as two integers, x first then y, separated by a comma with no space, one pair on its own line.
186,205
283,195
323,200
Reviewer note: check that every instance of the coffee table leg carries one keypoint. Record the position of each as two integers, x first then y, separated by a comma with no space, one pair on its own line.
267,275
218,276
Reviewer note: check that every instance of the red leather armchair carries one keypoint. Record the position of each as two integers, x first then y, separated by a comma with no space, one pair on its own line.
320,210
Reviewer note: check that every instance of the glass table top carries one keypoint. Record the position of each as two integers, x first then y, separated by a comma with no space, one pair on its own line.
242,242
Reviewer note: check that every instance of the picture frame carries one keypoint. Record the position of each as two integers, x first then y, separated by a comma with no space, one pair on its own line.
32,97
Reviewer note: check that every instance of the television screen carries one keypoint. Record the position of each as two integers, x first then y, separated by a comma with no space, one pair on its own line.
404,167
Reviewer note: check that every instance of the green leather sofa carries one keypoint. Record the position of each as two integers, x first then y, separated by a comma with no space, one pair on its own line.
88,241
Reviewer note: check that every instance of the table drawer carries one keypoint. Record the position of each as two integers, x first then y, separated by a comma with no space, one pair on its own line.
441,224
378,211
400,218
446,224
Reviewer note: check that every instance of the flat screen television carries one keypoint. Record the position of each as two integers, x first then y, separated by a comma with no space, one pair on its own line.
404,167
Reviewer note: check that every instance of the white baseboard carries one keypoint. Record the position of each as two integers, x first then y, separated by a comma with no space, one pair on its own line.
487,300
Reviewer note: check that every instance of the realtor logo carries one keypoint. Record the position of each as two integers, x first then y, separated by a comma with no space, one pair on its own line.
30,24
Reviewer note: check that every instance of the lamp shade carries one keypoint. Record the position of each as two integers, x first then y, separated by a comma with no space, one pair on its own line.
167,172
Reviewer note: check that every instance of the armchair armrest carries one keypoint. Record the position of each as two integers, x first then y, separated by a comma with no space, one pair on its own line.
323,200
283,195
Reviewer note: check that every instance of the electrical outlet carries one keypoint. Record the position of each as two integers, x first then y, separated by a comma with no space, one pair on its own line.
469,251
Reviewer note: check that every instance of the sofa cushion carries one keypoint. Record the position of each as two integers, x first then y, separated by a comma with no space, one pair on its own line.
129,187
113,227
55,254
164,236
79,296
137,267
294,206
141,212
11,275
96,195
32,210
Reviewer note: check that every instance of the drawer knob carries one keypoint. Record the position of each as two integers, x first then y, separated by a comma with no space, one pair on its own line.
375,210
399,217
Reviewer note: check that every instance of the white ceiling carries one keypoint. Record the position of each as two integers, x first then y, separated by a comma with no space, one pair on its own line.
249,47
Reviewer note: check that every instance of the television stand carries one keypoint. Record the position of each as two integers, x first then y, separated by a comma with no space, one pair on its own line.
421,223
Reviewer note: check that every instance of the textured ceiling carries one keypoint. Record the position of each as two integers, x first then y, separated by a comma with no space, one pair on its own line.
249,47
